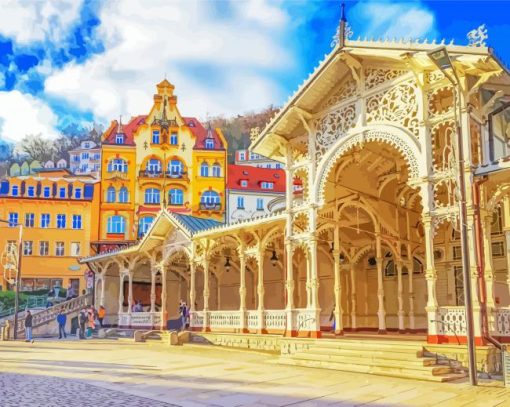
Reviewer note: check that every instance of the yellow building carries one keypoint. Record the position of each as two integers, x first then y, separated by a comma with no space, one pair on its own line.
161,160
58,213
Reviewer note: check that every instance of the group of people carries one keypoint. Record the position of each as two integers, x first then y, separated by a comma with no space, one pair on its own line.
87,318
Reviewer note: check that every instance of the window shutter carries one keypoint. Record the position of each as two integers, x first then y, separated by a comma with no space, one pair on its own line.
89,191
4,187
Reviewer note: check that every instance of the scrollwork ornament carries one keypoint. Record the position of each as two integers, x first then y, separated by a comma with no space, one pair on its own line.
478,36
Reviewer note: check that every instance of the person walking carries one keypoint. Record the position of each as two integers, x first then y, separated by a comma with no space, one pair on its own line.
101,314
61,320
70,292
82,321
91,323
28,327
182,312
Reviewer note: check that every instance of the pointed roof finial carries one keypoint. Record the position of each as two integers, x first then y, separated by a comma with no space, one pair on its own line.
343,18
120,129
342,28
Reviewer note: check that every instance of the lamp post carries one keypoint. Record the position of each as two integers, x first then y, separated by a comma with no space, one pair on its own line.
442,60
18,273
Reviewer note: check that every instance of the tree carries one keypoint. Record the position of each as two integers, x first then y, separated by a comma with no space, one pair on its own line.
35,147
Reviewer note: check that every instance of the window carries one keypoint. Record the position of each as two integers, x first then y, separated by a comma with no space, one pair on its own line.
13,219
123,195
210,198
240,202
498,249
117,164
144,225
209,144
497,222
116,224
45,220
47,192
110,194
27,248
241,156
61,221
75,249
267,185
15,190
154,166
119,138
174,140
76,158
457,253
11,245
244,183
84,156
77,193
175,167
176,196
278,166
260,204
62,192
76,221
31,191
268,165
97,156
86,145
204,170
216,170
29,220
44,247
152,196
59,248
155,136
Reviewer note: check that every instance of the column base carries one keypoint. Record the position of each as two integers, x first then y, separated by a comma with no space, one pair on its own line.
381,332
402,331
453,340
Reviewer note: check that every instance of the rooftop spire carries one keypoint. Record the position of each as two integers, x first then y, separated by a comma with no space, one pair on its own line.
342,28
120,129
343,18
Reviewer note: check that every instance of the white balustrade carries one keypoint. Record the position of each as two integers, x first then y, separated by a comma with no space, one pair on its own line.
197,319
451,321
253,319
140,319
224,319
275,319
305,320
502,321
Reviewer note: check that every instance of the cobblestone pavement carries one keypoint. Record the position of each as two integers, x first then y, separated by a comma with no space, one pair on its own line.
17,390
123,373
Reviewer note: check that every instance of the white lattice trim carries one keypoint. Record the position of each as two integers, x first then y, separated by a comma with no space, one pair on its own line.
404,142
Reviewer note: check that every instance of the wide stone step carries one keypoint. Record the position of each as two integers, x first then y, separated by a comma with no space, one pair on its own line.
367,345
403,354
384,355
447,375
425,364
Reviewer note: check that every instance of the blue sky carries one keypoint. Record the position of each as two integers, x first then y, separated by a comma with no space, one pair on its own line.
64,61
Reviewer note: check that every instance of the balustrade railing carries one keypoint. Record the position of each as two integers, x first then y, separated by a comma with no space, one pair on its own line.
140,319
252,318
225,319
275,319
502,319
451,321
197,319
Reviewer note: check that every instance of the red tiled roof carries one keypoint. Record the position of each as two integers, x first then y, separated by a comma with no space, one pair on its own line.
128,130
255,176
201,133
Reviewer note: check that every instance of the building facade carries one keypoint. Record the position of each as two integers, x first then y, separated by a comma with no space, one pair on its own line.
253,192
372,134
58,213
159,160
86,159
247,157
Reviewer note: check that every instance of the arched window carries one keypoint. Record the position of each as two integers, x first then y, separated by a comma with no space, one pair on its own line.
144,225
110,194
204,170
117,164
176,196
152,196
210,199
216,170
154,166
209,144
175,168
116,224
123,195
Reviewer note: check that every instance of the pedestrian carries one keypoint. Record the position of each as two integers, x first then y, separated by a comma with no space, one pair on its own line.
182,312
101,314
70,292
61,320
332,318
91,323
82,321
28,327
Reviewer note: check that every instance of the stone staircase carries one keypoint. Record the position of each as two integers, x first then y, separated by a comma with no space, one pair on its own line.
403,359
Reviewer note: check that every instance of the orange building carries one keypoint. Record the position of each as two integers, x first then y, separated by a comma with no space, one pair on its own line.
59,215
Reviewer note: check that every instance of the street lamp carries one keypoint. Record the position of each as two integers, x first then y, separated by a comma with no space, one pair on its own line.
442,60
18,273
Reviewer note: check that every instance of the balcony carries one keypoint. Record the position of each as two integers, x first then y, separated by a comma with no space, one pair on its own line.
163,174
116,174
210,206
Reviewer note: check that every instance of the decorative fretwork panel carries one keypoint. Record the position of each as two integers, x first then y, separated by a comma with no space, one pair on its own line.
347,90
435,76
333,126
397,105
502,322
440,102
452,321
377,76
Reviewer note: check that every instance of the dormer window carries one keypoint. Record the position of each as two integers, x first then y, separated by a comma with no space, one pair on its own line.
267,185
209,144
119,138
31,191
191,123
155,137
174,140
86,145
244,183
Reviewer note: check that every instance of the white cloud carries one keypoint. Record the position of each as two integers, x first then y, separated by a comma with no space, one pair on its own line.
395,20
218,63
22,114
37,20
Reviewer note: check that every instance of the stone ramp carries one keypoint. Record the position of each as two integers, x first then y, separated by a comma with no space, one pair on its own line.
402,359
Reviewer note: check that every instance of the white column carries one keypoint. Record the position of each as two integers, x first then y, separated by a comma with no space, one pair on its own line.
206,294
260,289
410,277
400,298
242,291
192,292
164,311
121,291
313,275
339,327
130,294
289,286
354,324
102,295
218,293
153,290
430,276
381,311
489,267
